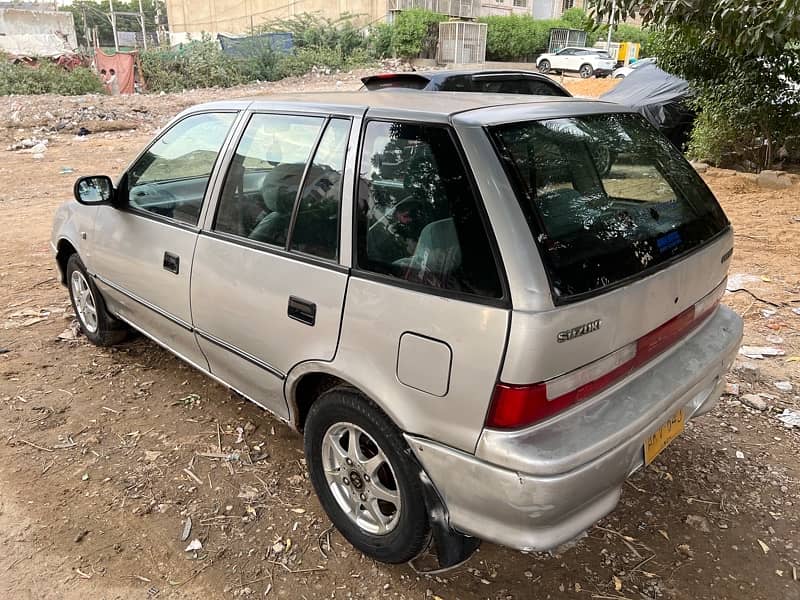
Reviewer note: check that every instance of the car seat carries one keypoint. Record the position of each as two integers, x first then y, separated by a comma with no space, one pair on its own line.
278,191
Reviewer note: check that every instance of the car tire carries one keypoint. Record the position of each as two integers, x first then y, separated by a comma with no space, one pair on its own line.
586,71
544,66
95,322
376,500
620,76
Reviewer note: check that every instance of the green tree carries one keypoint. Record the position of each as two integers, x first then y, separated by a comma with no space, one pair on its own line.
742,59
92,13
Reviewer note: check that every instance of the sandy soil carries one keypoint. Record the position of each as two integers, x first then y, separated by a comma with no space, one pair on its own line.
100,448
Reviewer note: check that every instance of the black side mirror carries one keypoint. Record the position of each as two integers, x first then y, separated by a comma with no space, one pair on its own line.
94,190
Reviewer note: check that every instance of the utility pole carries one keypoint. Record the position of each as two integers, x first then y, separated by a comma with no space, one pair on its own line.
144,31
158,21
610,25
113,19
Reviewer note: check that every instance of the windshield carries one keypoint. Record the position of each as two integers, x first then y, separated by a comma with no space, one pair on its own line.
607,198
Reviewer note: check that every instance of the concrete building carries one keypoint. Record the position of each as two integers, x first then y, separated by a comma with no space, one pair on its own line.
30,31
193,17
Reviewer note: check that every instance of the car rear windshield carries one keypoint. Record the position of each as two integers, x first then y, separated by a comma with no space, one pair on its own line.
607,197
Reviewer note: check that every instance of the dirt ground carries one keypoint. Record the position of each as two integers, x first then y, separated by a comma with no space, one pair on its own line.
102,450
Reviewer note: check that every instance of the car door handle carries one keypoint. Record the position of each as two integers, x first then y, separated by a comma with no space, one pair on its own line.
172,262
302,310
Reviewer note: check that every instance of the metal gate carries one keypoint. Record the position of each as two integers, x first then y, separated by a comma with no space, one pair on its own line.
562,38
462,42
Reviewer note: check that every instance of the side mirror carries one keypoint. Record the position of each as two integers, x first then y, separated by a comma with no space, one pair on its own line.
94,190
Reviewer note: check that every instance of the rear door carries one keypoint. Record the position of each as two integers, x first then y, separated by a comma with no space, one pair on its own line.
267,287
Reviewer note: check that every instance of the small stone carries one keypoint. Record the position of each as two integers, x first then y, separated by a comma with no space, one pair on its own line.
732,389
698,522
773,180
754,401
784,386
685,551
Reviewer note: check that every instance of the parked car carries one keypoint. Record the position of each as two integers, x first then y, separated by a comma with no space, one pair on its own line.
584,61
477,334
662,98
623,72
492,81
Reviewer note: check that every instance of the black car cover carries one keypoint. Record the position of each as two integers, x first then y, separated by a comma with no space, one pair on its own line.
660,97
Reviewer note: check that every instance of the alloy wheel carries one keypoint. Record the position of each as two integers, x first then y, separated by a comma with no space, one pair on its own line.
85,304
361,478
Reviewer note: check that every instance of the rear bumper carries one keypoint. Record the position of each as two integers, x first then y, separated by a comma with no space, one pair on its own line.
539,487
603,72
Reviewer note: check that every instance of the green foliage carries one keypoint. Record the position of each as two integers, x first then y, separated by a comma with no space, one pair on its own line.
200,63
47,78
517,37
576,18
731,28
380,40
415,33
311,30
742,61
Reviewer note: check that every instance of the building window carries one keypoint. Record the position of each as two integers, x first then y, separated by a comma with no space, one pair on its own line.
567,4
521,3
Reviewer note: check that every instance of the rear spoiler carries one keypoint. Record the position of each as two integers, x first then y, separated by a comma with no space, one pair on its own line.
390,80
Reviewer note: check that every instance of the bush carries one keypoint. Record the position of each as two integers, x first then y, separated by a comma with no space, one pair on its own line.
311,30
746,105
200,63
380,40
517,37
415,33
47,78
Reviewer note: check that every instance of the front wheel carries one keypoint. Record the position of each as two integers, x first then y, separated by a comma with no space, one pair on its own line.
97,324
586,71
544,66
360,468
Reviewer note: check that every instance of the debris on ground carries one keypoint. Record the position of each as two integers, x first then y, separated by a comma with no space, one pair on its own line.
759,352
753,401
790,418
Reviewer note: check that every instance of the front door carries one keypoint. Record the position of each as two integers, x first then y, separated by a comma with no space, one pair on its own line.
267,288
144,248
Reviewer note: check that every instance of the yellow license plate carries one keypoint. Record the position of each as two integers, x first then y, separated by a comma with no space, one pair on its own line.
663,436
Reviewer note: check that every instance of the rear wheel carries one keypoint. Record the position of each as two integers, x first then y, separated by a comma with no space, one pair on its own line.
586,71
97,324
620,76
359,466
544,66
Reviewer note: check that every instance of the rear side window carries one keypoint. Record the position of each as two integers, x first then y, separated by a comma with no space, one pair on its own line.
515,85
417,215
608,198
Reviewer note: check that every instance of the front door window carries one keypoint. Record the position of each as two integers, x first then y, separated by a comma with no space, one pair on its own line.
170,178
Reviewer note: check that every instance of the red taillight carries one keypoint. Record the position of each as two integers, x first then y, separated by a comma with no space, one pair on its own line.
515,406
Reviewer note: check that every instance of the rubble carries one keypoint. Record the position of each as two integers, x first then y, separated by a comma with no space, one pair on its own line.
753,401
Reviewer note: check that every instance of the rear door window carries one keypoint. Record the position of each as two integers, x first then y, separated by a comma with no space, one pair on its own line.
262,183
418,219
607,197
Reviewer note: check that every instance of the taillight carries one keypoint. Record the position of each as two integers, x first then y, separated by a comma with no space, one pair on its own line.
514,406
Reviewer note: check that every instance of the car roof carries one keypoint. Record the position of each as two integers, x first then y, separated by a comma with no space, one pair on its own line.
439,107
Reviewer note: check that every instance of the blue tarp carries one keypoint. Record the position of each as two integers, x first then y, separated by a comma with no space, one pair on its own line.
244,46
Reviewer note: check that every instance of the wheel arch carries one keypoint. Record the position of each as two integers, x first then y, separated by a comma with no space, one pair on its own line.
64,249
308,380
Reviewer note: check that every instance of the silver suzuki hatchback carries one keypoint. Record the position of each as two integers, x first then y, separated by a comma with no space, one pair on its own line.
483,312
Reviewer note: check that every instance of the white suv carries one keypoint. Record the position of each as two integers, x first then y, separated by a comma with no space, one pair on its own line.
585,61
